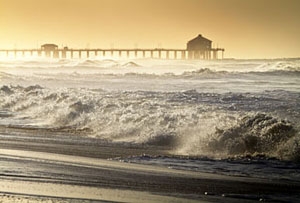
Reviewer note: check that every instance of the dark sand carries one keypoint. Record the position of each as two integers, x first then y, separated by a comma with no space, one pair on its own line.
54,158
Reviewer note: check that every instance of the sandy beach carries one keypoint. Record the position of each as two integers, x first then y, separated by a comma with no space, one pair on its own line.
47,169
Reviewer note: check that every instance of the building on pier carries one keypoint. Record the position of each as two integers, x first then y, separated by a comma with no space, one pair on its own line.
199,43
197,48
50,48
201,48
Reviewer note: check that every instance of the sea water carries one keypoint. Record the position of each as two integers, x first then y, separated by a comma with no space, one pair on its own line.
232,117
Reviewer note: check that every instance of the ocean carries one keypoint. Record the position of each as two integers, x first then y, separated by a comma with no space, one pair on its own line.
238,118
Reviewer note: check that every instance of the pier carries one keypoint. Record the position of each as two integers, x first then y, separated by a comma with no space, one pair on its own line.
198,48
114,53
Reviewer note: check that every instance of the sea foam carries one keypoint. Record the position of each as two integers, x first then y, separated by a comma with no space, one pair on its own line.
186,122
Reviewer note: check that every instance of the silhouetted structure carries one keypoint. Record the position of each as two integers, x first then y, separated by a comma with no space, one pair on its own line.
50,48
199,43
197,48
201,48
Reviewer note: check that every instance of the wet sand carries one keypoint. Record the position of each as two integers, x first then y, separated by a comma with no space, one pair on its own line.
58,166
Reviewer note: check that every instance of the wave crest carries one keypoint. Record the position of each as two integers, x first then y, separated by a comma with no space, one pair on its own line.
186,122
252,135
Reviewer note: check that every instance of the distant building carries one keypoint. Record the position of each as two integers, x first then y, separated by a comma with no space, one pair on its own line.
199,43
48,48
199,48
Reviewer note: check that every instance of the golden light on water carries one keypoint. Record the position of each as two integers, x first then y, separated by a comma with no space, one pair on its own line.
246,29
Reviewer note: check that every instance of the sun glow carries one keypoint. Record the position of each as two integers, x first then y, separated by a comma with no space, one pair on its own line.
247,29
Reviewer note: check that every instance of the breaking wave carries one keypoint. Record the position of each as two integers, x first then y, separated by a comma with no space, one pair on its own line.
185,122
256,134
197,66
98,63
131,65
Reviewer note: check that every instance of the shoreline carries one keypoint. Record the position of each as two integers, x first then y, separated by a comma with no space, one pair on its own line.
44,159
133,181
40,192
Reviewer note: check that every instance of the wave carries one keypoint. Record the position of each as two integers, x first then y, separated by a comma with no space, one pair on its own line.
6,75
186,122
131,65
211,72
259,133
203,72
148,68
287,72
98,63
230,66
251,136
69,63
196,74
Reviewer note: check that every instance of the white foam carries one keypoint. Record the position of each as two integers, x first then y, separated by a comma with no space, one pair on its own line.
158,102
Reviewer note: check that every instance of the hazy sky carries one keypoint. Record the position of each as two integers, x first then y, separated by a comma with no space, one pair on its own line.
245,28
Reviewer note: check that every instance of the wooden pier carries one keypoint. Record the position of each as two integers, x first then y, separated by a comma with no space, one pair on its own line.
197,48
113,53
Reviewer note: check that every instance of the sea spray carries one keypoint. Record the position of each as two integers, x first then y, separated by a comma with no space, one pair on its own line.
195,108
186,122
249,135
259,133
